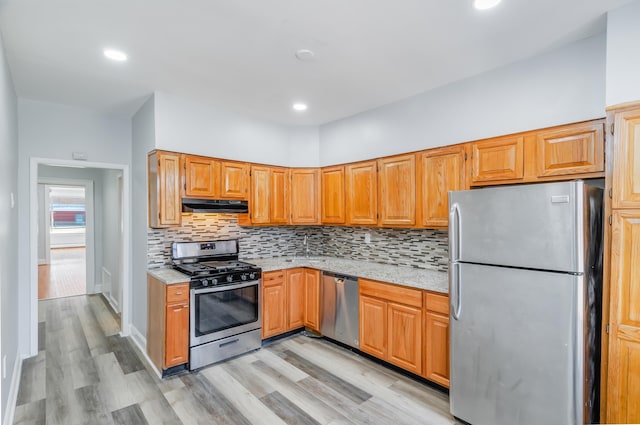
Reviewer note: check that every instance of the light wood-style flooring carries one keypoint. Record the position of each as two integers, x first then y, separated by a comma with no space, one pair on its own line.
86,374
65,276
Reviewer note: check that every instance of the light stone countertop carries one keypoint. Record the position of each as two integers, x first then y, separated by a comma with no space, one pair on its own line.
407,276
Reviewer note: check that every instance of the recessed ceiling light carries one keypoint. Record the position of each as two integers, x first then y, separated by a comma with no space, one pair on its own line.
115,55
305,55
300,106
485,4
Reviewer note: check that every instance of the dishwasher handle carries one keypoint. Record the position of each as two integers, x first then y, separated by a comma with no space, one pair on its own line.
340,278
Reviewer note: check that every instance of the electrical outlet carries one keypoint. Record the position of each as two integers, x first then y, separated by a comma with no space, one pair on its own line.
367,237
4,367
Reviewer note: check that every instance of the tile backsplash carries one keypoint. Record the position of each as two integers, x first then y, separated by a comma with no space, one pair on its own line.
426,249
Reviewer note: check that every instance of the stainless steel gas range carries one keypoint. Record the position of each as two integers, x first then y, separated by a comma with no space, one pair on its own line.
225,318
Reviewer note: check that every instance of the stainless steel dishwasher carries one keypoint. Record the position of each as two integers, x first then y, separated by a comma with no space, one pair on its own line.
340,308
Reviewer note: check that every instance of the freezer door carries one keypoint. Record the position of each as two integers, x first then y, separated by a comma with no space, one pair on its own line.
516,352
536,226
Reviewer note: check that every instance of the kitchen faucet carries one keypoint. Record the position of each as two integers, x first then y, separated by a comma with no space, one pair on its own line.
305,244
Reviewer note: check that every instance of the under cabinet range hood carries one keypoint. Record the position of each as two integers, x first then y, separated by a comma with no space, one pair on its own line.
191,205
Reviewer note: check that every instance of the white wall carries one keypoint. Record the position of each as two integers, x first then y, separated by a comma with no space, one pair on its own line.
143,141
562,86
48,130
9,282
186,126
623,61
111,234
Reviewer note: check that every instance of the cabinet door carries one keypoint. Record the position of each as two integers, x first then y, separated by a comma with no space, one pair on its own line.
405,337
624,337
305,196
361,181
260,195
373,326
333,201
439,171
234,179
437,348
295,298
279,196
626,160
572,149
397,190
165,205
201,177
497,159
312,299
274,304
177,335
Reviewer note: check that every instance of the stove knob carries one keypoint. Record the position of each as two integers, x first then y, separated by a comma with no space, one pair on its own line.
229,278
252,275
244,276
205,282
214,281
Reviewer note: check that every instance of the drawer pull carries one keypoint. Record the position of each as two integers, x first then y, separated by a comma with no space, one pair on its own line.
233,341
179,293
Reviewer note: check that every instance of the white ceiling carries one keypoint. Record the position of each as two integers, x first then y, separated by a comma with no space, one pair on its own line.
239,54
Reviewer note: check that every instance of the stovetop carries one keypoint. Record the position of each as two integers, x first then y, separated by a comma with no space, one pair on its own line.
210,268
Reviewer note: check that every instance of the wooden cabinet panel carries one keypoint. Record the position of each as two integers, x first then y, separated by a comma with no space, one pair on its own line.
437,348
497,159
312,299
626,160
201,177
295,298
397,190
391,292
260,195
405,337
279,196
177,335
234,180
165,205
178,293
624,342
305,196
274,304
373,326
439,171
361,181
571,149
333,195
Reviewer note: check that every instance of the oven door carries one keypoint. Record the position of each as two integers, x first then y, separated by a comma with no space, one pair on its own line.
221,311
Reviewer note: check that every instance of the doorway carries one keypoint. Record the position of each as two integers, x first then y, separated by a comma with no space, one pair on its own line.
62,246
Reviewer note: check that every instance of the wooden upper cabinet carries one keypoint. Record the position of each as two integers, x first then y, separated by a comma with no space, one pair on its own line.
234,180
165,204
260,195
626,160
397,190
279,196
623,388
497,159
201,177
439,171
361,181
305,196
572,149
333,196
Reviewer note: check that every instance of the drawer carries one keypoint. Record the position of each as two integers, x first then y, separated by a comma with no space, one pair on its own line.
437,303
177,293
389,292
272,278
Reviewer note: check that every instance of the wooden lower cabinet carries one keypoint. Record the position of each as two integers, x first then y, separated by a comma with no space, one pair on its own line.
312,299
436,338
295,298
274,304
391,323
167,323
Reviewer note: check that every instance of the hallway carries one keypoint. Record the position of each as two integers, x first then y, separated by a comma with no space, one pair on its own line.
65,276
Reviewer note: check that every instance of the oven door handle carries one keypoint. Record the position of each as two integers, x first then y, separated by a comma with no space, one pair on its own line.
221,288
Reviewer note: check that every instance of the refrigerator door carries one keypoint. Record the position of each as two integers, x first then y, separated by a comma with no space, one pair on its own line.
516,344
537,226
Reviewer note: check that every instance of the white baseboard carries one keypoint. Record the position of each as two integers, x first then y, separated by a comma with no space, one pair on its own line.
112,302
10,411
141,342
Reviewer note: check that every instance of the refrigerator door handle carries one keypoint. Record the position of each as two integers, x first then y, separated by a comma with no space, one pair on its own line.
454,232
456,298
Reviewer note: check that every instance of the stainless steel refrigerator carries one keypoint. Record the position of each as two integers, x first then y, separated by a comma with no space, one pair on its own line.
525,291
